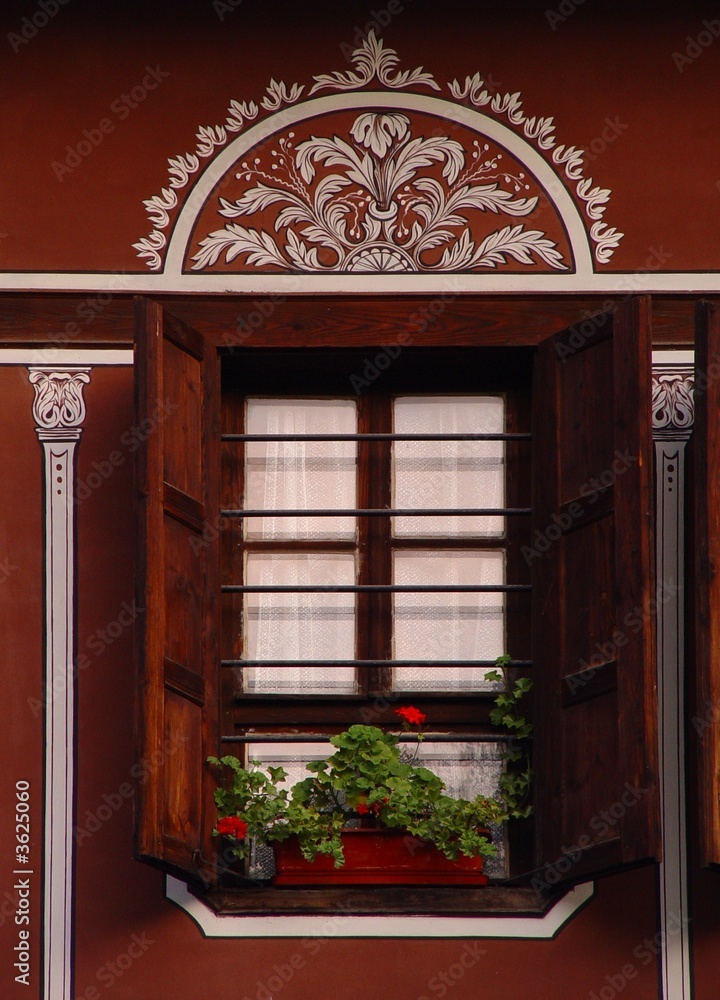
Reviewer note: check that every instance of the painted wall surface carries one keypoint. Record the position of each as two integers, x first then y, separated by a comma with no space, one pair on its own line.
97,99
93,101
129,939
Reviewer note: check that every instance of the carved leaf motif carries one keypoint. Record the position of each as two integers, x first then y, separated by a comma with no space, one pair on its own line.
372,59
256,199
58,397
234,240
519,243
391,219
334,152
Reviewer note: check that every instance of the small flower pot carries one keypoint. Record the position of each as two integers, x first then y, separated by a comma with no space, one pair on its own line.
377,857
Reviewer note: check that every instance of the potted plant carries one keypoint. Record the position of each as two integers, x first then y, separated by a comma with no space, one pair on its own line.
371,811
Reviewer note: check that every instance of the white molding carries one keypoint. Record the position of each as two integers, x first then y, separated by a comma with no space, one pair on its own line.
50,356
488,127
59,410
672,428
336,926
645,280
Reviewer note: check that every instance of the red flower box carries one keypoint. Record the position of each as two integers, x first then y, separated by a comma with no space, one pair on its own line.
377,857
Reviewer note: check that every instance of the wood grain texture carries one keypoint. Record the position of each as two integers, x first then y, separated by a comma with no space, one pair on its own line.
105,319
707,592
596,741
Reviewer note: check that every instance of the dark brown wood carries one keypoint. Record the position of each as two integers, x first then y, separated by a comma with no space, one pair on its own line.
491,320
105,318
588,683
309,713
177,585
593,585
485,901
706,447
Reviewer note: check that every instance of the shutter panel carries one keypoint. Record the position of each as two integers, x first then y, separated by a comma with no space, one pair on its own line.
176,389
593,594
706,452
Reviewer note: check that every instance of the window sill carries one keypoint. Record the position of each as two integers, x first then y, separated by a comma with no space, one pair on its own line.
379,900
498,913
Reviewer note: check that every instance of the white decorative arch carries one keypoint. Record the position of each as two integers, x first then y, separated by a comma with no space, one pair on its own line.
557,172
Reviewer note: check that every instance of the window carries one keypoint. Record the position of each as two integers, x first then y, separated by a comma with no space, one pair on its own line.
331,617
588,553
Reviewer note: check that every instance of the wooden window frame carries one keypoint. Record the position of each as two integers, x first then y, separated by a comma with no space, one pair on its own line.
173,829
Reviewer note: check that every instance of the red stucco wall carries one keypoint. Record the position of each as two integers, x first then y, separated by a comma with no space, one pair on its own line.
615,84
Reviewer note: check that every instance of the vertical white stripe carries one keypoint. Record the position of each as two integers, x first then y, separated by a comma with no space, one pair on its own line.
672,430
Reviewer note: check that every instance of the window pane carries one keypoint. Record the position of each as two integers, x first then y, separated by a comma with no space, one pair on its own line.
470,769
449,474
300,474
293,626
447,626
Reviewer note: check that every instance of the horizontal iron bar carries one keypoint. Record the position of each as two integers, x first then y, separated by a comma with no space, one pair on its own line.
518,436
371,663
323,737
377,588
381,512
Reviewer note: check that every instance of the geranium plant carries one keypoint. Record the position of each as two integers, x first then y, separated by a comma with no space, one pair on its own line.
371,777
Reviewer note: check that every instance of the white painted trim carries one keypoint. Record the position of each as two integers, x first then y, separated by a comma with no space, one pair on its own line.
479,122
331,926
613,283
63,356
670,443
59,717
59,411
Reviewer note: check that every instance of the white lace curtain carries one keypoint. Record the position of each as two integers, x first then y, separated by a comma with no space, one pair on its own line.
300,475
323,475
450,475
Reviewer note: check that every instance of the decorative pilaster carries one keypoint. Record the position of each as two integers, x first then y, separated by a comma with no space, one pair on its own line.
673,410
59,410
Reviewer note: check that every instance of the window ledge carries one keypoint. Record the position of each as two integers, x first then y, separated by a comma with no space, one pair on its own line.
379,912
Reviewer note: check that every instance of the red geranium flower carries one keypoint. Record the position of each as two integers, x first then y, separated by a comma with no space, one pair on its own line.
411,715
232,826
362,809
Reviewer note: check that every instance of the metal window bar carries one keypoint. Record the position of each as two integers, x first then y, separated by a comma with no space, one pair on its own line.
516,436
258,737
372,663
377,588
380,512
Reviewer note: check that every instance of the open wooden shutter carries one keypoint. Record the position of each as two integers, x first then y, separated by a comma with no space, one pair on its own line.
706,456
176,382
594,598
